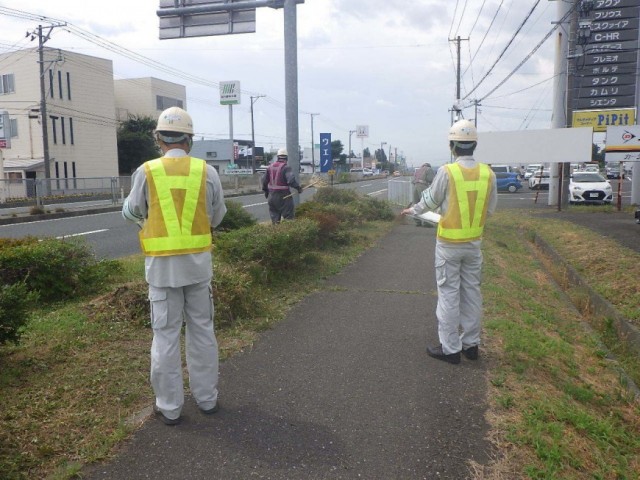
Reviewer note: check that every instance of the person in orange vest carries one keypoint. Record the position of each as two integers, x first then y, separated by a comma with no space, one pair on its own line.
465,192
176,200
276,185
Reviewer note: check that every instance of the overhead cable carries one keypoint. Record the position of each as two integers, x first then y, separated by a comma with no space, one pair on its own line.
504,50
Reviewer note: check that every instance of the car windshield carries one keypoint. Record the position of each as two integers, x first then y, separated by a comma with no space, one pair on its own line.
587,178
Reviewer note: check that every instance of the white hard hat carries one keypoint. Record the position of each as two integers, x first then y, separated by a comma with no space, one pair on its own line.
175,119
463,131
282,153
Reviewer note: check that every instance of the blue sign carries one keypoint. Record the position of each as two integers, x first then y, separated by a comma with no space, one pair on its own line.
326,162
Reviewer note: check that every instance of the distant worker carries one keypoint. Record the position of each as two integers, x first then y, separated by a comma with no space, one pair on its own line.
466,193
422,179
276,184
177,199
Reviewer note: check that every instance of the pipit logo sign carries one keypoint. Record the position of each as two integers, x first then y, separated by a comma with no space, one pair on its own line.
230,93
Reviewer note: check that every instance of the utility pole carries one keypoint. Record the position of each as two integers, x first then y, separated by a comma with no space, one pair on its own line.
313,147
559,116
42,39
253,136
456,106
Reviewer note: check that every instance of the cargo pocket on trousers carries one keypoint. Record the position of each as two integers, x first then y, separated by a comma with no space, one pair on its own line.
441,272
159,307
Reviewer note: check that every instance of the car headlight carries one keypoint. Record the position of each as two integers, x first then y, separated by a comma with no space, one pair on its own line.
577,188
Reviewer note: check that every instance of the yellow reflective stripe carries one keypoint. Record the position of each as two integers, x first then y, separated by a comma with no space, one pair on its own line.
164,185
470,227
182,242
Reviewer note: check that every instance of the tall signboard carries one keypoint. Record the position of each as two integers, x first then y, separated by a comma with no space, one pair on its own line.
604,82
326,162
623,144
200,18
5,130
230,93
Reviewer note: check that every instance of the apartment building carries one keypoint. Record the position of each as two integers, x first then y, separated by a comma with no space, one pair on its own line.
84,106
80,115
147,97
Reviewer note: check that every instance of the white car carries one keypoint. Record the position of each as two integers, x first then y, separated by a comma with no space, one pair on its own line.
366,172
539,180
589,187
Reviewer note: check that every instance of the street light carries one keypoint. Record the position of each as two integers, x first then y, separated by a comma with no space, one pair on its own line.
350,133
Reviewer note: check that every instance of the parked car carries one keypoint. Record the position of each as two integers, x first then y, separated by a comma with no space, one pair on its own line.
589,187
531,169
613,172
508,182
367,172
540,180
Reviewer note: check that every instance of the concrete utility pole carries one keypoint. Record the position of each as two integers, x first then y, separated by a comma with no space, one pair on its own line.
291,88
253,135
313,146
557,191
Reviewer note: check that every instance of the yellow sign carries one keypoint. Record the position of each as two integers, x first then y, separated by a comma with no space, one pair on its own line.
599,120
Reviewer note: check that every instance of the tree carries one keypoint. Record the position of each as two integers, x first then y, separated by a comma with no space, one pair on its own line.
136,143
336,153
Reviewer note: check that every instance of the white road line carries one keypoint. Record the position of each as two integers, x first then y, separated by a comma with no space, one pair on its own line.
379,192
254,204
82,233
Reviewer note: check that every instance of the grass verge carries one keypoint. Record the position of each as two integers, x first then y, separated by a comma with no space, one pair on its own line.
559,408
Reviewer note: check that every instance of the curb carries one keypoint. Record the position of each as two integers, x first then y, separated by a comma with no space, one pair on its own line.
626,331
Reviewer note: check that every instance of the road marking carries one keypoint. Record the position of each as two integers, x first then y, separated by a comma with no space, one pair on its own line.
254,204
82,233
378,192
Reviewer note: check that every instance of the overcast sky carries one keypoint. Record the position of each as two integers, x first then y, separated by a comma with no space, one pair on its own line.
387,64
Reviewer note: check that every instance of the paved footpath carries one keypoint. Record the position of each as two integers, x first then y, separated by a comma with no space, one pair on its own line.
342,388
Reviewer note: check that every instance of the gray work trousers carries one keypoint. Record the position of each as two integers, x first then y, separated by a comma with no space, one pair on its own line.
169,308
459,310
280,207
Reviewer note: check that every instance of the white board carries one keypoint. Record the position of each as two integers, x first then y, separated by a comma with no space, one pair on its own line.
522,147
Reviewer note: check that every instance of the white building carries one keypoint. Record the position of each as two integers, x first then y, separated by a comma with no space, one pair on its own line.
147,97
80,107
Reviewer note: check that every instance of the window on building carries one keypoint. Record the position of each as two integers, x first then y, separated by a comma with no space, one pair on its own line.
64,136
60,83
73,169
7,84
69,86
162,103
53,128
71,131
14,127
51,83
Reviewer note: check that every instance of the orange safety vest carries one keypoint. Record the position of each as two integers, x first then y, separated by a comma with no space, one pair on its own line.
177,221
466,213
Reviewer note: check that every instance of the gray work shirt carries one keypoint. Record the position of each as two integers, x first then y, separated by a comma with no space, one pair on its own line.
439,193
177,270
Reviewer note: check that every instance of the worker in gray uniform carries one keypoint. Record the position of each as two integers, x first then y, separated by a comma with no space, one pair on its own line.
465,192
276,184
177,200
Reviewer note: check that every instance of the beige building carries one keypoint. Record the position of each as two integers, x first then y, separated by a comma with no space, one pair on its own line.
80,115
147,97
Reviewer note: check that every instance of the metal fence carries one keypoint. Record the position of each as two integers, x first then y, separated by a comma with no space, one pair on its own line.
33,191
400,191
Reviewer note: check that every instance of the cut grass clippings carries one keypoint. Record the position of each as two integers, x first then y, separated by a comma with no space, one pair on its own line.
80,373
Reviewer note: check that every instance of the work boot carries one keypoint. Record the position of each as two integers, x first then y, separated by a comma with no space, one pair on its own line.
437,352
165,420
211,411
471,353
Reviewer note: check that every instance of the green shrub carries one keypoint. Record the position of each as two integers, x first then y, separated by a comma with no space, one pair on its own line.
15,301
372,209
56,269
333,220
274,248
340,196
234,294
236,217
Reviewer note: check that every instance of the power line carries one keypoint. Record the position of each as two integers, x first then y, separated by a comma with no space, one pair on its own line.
505,49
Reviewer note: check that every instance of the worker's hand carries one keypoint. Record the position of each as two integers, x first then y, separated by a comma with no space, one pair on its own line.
406,211
266,194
